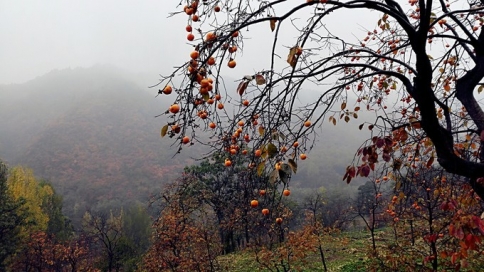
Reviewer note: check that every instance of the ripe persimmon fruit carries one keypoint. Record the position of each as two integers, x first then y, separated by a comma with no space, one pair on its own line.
176,128
232,64
168,89
254,203
174,108
228,162
210,37
194,55
211,61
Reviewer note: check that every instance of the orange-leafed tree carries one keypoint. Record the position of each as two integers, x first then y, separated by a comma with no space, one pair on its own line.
416,65
184,236
435,221
42,252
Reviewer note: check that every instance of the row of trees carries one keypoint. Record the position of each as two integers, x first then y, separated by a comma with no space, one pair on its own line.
36,236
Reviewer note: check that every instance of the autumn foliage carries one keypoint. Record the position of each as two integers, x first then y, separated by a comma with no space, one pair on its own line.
416,65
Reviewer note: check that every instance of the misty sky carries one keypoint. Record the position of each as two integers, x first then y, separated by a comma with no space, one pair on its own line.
39,36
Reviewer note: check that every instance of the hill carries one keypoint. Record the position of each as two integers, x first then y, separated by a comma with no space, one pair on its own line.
92,133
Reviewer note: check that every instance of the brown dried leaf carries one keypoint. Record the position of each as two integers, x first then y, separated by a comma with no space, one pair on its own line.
291,58
343,105
242,86
260,80
430,162
273,24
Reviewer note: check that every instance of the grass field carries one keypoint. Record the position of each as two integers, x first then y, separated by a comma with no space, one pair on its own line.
344,252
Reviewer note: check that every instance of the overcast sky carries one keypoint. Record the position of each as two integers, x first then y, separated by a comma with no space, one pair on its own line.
37,36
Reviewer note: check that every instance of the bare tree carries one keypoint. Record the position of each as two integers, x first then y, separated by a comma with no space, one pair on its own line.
106,230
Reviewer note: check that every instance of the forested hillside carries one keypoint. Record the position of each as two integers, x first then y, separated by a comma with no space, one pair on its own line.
93,134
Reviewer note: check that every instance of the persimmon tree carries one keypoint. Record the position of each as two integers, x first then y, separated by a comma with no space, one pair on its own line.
228,192
416,65
435,221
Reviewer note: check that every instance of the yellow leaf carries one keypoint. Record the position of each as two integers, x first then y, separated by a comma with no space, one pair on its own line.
271,150
206,97
164,129
260,168
262,130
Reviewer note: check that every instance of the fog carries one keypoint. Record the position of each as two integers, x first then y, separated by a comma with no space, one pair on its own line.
39,36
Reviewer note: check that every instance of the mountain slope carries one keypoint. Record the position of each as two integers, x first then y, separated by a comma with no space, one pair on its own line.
92,133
